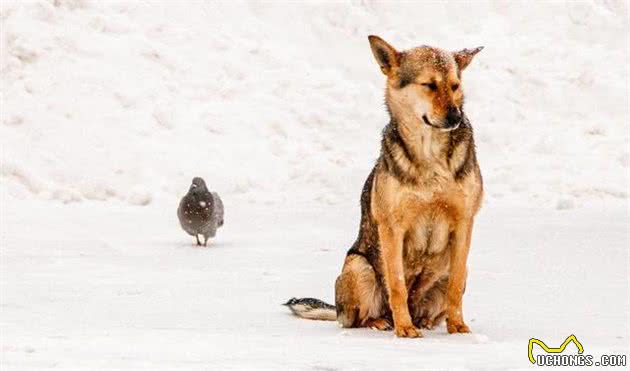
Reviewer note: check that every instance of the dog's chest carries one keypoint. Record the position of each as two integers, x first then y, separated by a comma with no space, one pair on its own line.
431,214
429,231
426,241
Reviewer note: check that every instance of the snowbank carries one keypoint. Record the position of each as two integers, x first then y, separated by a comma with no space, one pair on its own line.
279,102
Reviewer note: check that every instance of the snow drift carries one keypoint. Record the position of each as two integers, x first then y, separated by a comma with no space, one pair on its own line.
275,102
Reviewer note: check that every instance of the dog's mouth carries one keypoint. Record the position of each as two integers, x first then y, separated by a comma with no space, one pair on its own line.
426,121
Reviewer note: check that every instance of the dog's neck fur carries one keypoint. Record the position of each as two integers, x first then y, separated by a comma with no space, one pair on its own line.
415,153
425,143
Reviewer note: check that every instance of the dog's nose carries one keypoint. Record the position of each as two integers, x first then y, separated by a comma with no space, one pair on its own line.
453,116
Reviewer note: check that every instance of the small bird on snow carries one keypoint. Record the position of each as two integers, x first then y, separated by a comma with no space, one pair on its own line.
312,309
200,212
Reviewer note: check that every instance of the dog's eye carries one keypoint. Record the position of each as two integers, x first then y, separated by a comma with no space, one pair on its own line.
454,87
430,85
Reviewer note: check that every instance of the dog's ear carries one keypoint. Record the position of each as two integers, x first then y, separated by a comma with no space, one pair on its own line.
464,57
386,56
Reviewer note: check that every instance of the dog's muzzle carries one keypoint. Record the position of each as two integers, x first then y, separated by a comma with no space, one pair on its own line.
451,122
453,117
450,125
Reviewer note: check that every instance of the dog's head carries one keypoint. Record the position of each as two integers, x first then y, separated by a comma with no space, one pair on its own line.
424,83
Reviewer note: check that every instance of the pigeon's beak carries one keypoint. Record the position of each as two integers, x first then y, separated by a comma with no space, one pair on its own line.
194,185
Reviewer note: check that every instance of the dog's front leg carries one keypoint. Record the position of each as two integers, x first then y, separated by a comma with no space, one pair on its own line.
457,276
391,248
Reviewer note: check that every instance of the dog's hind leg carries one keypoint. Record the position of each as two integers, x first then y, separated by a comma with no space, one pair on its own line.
358,296
379,324
428,308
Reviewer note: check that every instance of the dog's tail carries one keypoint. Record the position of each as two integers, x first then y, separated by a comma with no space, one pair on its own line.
310,308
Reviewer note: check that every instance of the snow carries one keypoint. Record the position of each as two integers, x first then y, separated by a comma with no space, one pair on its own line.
109,109
273,102
121,287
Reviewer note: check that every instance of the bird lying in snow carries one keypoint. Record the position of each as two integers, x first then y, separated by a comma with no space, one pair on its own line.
200,212
311,308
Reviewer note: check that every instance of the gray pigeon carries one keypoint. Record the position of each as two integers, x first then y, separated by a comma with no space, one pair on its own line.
200,212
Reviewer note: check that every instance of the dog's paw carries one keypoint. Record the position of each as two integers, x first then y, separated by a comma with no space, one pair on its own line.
425,322
409,331
457,327
378,324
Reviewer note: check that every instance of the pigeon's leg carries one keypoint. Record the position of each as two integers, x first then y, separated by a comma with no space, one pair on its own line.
205,240
198,242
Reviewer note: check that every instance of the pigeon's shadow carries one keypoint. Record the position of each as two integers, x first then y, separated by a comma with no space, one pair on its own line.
213,244
187,245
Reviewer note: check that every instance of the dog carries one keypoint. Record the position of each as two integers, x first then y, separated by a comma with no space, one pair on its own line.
407,268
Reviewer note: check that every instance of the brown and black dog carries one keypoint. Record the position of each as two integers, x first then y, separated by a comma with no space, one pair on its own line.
408,263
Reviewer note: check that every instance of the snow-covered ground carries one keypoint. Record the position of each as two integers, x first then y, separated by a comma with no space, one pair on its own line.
95,286
108,109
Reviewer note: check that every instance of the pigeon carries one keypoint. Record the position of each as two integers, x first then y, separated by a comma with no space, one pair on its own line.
200,212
